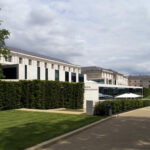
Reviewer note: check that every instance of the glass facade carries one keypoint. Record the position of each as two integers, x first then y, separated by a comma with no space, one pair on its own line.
11,73
38,73
111,92
30,62
20,60
25,71
81,78
56,75
101,81
67,76
110,81
46,73
115,82
73,77
9,58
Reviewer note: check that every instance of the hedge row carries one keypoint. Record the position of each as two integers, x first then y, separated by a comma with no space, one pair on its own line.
119,105
41,94
146,92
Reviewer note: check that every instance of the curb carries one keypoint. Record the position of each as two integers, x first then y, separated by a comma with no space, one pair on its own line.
55,140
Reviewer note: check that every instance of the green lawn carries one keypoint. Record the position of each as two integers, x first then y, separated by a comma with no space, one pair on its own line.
21,129
147,98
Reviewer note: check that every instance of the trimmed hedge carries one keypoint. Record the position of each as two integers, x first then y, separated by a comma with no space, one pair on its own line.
41,95
119,105
146,92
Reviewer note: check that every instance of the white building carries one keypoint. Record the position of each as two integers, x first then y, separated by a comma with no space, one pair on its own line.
98,74
104,76
25,65
97,92
119,79
139,80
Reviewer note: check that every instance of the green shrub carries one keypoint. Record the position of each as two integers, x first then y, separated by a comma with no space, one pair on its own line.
41,94
119,105
10,95
146,92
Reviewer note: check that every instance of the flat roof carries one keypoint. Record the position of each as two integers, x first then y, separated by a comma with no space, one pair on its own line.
113,86
95,68
139,77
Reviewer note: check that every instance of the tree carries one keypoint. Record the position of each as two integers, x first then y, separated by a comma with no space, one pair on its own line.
4,51
1,73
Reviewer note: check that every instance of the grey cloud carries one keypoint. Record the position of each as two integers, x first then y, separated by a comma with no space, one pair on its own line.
112,34
41,16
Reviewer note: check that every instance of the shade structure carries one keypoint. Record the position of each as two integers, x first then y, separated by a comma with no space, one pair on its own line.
128,95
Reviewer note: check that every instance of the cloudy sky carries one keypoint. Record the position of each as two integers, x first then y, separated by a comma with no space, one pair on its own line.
108,33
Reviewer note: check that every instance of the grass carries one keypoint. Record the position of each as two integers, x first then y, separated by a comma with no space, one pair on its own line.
21,129
147,98
72,110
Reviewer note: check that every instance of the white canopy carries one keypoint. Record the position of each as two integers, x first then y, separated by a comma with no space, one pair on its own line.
128,95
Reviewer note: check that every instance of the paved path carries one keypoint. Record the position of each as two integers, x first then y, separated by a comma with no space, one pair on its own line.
58,110
128,131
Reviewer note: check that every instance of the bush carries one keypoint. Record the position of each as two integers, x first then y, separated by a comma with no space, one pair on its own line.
41,94
119,105
146,92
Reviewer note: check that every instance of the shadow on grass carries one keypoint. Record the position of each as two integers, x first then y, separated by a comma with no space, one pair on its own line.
26,135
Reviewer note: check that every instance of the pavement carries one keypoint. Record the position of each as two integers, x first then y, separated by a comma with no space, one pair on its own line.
126,131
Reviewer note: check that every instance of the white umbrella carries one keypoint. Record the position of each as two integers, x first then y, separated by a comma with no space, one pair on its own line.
128,95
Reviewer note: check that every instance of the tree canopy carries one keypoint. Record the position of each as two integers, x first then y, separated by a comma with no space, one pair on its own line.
4,34
4,51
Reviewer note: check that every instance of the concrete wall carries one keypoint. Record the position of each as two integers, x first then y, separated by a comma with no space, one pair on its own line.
91,92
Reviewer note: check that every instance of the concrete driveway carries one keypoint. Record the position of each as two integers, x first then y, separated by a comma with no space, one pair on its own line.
128,131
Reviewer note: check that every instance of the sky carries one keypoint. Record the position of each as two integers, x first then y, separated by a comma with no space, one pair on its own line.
113,34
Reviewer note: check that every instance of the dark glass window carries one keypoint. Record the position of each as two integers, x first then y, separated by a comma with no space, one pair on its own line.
81,78
20,60
110,81
9,58
46,73
38,73
56,75
30,62
101,81
10,73
66,76
25,71
64,67
73,77
38,64
45,65
111,92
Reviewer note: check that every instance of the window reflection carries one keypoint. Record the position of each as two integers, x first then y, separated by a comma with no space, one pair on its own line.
110,92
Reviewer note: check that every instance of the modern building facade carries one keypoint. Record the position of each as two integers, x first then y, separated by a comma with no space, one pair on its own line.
97,92
104,76
140,80
25,65
111,91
